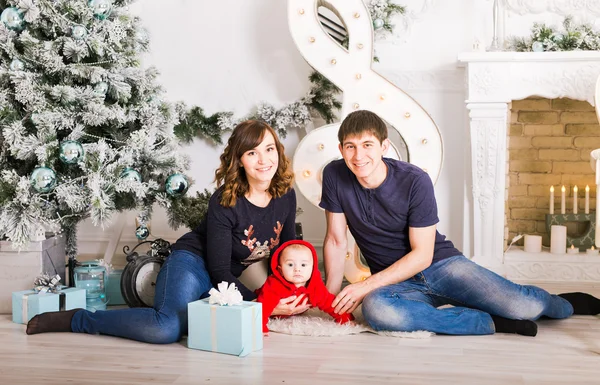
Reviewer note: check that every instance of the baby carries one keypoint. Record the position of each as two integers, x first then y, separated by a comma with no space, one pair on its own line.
295,272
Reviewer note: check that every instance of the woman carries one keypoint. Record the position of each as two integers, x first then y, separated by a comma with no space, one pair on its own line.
249,216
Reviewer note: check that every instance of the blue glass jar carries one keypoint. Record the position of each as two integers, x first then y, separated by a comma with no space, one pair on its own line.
93,278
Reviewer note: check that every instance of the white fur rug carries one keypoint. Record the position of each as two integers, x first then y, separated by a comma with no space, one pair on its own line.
316,323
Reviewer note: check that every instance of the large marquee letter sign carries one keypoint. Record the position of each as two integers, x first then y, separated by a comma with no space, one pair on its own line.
350,70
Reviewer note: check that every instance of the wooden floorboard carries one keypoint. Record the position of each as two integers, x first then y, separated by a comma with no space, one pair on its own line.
566,351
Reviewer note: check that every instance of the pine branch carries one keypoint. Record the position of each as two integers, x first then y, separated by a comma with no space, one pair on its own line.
189,211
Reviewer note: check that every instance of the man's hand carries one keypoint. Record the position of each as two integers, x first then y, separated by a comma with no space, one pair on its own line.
350,297
292,305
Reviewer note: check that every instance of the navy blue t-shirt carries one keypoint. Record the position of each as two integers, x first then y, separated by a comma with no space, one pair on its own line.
379,218
232,238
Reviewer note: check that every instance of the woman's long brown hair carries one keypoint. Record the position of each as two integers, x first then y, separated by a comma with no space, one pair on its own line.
230,174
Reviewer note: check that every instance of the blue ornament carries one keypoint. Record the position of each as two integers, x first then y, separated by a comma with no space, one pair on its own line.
78,32
131,174
71,151
12,18
43,179
101,88
142,232
378,23
101,8
177,185
537,46
17,65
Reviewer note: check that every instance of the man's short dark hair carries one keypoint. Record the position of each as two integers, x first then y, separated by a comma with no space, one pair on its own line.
360,122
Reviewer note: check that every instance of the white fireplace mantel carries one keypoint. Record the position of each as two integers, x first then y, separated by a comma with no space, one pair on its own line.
493,80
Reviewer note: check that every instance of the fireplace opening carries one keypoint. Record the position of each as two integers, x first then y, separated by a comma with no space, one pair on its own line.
549,144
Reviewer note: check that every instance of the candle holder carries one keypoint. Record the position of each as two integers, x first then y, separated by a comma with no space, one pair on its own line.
583,242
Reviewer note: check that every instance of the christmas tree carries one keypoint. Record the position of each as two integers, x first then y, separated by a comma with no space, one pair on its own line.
84,130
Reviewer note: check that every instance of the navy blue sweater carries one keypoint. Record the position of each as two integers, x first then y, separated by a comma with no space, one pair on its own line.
232,238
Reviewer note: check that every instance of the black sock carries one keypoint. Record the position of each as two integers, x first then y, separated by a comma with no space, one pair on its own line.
518,326
583,303
55,321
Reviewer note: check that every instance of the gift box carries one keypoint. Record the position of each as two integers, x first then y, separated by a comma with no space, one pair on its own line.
28,303
231,329
113,288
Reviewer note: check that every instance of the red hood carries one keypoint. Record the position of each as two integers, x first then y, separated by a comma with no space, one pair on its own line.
316,275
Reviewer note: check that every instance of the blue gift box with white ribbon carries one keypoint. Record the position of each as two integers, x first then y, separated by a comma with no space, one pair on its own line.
230,329
28,303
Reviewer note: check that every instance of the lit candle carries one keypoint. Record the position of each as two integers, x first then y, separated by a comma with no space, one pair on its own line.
572,250
575,189
562,199
592,251
551,199
587,199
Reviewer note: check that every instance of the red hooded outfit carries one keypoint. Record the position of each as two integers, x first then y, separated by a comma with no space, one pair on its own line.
277,287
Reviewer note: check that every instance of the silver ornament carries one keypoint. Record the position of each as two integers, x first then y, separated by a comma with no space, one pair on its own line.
131,174
176,185
43,179
71,151
17,65
78,32
537,46
101,88
101,8
378,23
142,232
12,18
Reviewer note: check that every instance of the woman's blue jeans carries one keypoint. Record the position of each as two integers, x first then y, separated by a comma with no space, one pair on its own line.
474,291
182,279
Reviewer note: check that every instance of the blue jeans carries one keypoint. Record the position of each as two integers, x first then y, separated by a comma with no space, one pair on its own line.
182,279
474,291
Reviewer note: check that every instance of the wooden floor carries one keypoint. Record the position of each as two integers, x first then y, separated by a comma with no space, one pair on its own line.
564,352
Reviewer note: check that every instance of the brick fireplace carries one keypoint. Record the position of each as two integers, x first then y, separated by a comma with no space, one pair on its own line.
497,82
549,144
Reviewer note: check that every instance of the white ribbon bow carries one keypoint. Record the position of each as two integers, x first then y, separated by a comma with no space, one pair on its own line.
225,294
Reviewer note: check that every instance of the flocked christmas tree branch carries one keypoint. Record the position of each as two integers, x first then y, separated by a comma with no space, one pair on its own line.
571,38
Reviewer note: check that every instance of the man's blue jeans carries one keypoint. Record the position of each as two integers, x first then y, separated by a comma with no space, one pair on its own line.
182,279
474,291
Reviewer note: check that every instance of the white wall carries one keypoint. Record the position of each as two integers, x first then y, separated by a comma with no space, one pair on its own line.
227,55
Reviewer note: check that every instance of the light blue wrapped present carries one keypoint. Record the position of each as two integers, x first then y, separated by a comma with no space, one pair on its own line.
231,329
113,288
28,303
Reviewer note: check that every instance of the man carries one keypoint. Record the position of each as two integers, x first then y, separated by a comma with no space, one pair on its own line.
390,208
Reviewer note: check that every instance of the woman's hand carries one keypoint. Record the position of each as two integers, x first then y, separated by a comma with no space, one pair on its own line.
292,305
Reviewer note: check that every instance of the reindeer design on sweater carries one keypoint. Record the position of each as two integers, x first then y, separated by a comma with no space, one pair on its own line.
260,251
